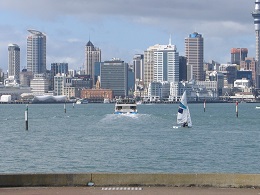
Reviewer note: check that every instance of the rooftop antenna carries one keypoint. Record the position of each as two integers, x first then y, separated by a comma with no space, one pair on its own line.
170,39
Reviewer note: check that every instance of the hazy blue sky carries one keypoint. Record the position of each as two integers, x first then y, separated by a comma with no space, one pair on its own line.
122,28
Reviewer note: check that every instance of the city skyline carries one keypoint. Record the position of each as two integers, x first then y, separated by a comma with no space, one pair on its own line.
123,30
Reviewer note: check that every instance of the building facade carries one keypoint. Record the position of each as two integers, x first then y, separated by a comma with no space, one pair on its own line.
97,95
138,64
194,52
39,84
166,64
36,52
92,55
114,75
149,64
238,55
58,68
14,61
252,65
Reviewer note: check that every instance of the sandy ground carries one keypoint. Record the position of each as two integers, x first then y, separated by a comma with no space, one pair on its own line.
126,191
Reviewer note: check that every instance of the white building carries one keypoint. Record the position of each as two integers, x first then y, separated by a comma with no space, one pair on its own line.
166,64
59,84
36,52
39,84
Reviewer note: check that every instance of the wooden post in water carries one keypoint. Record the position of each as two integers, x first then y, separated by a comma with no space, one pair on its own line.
237,108
204,105
65,108
73,104
26,117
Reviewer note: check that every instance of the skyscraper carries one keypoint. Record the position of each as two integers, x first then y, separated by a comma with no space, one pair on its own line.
166,64
13,61
149,64
114,75
92,55
138,63
36,52
194,51
238,55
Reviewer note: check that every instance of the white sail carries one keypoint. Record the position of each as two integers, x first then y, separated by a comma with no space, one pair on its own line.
183,115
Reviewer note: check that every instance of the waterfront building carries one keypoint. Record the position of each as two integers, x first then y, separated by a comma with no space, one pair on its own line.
71,92
14,61
39,84
194,52
92,55
114,75
97,95
36,52
238,55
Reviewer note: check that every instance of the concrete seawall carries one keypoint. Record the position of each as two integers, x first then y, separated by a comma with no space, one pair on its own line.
131,179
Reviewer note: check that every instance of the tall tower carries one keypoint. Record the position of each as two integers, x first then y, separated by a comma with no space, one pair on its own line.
92,55
194,51
36,52
256,16
13,61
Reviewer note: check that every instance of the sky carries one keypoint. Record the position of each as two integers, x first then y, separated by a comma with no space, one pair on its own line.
123,28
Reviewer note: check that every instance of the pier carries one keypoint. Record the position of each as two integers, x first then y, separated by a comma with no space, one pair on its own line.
131,180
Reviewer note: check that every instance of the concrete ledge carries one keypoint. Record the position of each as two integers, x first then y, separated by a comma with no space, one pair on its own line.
131,179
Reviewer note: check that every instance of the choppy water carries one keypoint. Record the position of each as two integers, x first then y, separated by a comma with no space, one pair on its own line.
89,138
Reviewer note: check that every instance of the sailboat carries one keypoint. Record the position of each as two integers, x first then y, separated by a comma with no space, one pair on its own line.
183,116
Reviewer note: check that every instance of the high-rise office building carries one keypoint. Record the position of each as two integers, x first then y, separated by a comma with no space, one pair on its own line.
138,64
92,55
166,64
114,75
149,64
13,61
182,68
194,51
238,55
36,52
58,68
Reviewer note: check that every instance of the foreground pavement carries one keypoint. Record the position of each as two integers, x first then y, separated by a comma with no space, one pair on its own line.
127,191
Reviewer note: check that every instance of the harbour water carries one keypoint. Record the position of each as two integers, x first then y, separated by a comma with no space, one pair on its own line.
90,138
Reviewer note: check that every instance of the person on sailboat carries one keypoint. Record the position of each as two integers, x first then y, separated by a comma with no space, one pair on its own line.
185,124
